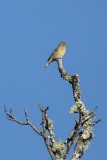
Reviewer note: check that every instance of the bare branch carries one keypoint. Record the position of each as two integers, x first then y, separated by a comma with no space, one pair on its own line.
11,112
12,118
93,110
96,122
40,107
26,115
43,134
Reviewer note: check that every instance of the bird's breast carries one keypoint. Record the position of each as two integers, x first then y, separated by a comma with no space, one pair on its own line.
61,52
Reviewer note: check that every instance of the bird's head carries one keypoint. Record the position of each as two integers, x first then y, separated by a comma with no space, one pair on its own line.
62,44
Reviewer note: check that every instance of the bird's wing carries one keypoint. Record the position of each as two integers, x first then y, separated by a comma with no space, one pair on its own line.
53,53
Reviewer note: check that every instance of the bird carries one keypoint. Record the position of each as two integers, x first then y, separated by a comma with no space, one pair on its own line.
58,53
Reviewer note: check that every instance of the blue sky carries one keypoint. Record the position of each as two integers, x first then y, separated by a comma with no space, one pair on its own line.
29,32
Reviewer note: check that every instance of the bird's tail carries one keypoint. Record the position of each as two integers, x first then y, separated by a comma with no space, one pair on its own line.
46,65
49,61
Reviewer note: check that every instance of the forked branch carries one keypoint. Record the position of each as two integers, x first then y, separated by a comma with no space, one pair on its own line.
81,134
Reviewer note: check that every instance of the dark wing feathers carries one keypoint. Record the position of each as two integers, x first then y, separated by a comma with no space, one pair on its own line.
53,53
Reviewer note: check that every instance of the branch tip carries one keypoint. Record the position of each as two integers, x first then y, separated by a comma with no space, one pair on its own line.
96,122
47,108
93,110
25,109
40,107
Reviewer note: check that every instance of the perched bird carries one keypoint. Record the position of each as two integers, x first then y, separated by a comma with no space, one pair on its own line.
57,53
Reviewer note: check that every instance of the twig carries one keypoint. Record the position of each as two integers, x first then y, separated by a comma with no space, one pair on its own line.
93,110
26,115
96,122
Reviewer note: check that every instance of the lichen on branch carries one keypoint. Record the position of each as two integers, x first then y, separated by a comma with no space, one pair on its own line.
81,135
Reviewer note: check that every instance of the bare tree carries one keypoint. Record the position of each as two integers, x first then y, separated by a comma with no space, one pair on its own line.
81,135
